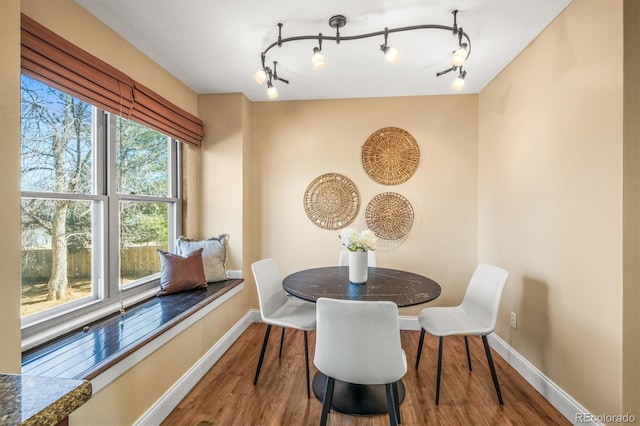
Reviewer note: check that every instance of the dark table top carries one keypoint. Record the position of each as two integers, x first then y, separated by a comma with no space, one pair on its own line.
403,288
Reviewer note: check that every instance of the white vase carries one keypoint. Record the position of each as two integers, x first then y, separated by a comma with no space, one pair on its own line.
358,267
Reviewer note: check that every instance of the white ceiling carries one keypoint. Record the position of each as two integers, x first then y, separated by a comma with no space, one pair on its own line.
214,46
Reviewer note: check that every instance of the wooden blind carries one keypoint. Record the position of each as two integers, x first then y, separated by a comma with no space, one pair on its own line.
53,60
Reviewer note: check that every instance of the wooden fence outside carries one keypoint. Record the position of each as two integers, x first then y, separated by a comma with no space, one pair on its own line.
135,261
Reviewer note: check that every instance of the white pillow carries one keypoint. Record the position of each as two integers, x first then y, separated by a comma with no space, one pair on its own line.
214,255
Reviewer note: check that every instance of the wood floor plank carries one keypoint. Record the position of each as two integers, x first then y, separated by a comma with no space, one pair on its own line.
226,394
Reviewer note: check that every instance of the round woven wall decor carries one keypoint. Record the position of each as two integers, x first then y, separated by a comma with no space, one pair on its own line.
332,201
389,215
390,155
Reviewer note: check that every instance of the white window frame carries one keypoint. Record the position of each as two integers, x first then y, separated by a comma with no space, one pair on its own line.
107,298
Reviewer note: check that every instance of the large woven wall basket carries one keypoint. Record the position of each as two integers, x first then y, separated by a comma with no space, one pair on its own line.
389,215
332,201
390,155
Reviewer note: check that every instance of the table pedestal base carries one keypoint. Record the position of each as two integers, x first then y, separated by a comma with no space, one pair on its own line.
357,400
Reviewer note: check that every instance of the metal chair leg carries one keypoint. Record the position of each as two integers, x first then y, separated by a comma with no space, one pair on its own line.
326,400
306,359
492,368
420,347
466,343
281,342
391,405
397,401
264,347
439,371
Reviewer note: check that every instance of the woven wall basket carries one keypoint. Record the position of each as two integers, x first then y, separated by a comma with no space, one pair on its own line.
389,215
390,155
331,201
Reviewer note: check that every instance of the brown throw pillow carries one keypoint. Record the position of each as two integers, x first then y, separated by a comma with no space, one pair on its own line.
179,273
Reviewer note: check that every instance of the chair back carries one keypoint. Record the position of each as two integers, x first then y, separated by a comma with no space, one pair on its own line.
359,341
343,259
268,278
482,298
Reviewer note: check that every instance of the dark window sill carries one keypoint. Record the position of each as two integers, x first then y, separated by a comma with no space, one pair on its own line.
86,354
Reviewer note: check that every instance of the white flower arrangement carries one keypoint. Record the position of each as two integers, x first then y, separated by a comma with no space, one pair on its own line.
358,241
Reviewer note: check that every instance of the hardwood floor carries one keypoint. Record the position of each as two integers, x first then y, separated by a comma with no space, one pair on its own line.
227,396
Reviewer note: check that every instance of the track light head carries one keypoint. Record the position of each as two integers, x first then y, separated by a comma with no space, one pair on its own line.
460,55
272,92
458,83
390,53
260,76
317,59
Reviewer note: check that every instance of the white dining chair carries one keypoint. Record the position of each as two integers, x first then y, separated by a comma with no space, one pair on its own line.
343,258
475,316
279,310
359,342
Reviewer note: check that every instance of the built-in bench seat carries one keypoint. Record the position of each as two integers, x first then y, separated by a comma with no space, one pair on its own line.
88,352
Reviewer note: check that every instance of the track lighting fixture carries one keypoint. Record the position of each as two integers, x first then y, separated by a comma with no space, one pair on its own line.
459,58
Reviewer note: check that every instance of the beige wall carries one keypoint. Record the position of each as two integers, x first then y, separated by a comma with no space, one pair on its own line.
221,172
631,213
295,142
10,188
550,200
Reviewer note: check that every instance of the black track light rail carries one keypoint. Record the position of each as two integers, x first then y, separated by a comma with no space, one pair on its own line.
340,38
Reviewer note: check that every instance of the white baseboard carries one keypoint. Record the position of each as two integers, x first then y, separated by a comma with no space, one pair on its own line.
563,402
172,397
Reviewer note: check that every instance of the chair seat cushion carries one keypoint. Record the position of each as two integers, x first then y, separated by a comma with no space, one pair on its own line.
294,315
448,321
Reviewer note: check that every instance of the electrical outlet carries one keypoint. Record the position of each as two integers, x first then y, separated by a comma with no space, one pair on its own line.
514,320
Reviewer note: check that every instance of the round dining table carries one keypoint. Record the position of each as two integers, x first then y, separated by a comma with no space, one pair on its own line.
401,287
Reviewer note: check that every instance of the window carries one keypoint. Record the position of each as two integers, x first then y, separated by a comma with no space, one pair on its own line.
100,195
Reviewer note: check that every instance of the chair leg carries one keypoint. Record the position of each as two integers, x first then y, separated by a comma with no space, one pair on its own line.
326,400
306,359
397,401
466,343
391,405
264,347
492,368
420,347
439,370
281,342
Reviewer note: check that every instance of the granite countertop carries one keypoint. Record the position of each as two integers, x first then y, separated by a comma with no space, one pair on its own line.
36,400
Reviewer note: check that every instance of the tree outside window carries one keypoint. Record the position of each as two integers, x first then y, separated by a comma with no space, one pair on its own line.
68,185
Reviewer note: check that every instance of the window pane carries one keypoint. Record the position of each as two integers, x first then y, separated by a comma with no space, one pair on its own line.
56,151
142,159
143,230
56,253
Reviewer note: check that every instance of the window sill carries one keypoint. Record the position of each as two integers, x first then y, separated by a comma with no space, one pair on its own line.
86,354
